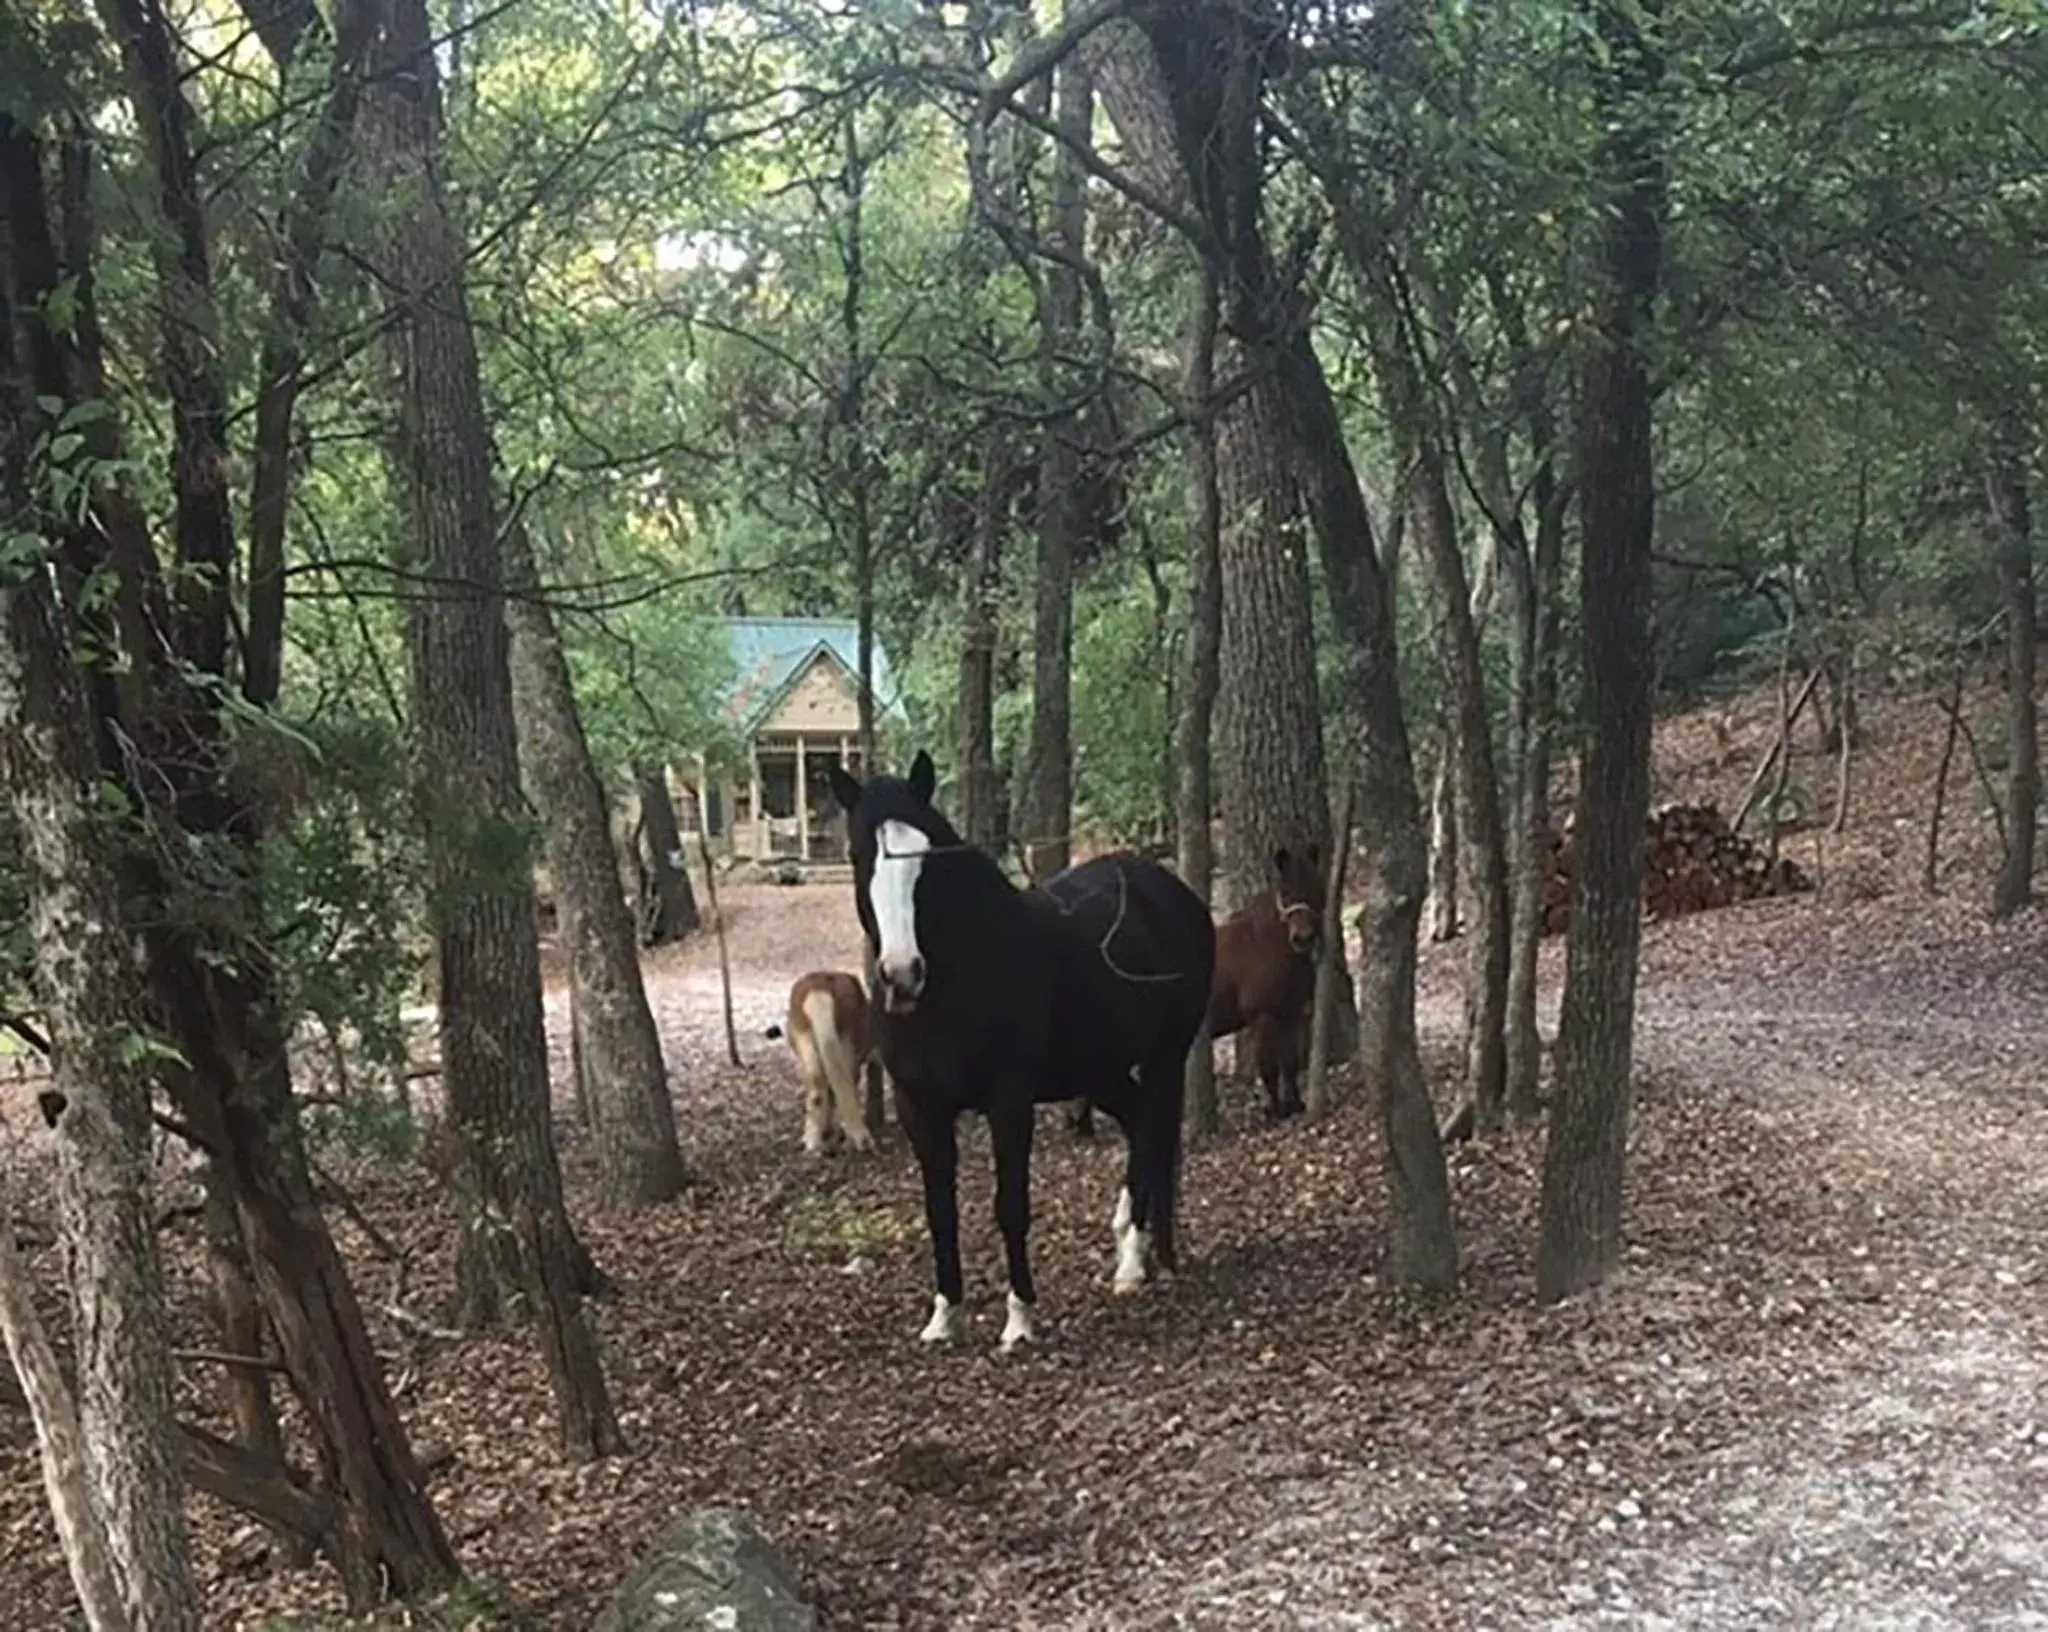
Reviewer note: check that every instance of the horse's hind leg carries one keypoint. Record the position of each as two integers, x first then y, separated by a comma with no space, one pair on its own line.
1269,1051
1127,1225
1165,1090
938,1158
1010,1129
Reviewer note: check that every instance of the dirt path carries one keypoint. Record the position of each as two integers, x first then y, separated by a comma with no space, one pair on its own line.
1905,1490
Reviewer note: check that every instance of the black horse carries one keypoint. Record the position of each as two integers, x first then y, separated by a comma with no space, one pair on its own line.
992,999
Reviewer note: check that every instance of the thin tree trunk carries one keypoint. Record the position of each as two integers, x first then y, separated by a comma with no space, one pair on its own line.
626,1084
1585,1154
668,906
1845,715
1536,638
2013,522
515,1253
294,299
857,476
1205,631
1954,710
1443,832
1331,957
238,1311
1784,780
1479,822
1422,1248
1048,792
980,593
732,1036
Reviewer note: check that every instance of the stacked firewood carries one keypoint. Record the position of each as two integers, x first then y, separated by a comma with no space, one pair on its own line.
1693,861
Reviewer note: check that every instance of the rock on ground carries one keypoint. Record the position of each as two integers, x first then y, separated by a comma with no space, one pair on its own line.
711,1569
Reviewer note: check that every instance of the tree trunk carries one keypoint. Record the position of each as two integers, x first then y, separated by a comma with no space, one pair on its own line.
980,595
626,1080
1434,525
1269,714
1048,793
94,1008
1209,74
1535,683
1422,1247
219,1005
668,906
2013,524
238,1312
857,476
1443,833
1586,1150
515,1249
1205,636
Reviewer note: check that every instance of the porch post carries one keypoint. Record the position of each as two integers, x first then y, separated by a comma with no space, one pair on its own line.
754,799
803,801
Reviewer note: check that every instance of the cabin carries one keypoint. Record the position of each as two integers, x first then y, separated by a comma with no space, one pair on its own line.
794,704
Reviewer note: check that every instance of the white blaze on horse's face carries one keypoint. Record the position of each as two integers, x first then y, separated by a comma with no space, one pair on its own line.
900,850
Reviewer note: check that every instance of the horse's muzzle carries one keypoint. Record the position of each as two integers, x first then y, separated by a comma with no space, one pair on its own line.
901,982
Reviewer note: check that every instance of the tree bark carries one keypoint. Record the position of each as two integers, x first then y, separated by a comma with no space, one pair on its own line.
626,1080
515,1248
1434,525
1442,917
1196,793
1048,792
238,1311
980,594
1586,1150
60,1444
668,905
2013,524
117,1452
1535,597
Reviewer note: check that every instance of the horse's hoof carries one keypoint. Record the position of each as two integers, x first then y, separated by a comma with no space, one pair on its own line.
1133,1268
1021,1327
944,1326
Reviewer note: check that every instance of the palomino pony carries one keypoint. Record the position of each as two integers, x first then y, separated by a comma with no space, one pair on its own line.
1265,980
994,999
828,1034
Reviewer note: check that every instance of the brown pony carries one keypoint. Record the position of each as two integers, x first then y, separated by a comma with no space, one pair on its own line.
1266,979
828,1034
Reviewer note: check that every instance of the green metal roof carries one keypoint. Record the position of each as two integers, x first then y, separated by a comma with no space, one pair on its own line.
769,654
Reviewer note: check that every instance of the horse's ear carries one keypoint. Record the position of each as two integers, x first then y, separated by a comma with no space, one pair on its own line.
844,788
1314,858
1280,859
924,776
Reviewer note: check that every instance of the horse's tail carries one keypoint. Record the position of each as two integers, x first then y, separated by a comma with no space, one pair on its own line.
1162,1161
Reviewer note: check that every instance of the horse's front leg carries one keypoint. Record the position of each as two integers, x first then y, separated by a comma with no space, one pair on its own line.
932,1138
1010,1130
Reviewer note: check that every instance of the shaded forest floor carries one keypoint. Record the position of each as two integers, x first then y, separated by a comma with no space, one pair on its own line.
1817,1396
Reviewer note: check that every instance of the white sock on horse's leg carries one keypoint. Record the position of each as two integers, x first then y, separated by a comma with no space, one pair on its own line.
1130,1248
1021,1326
945,1324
